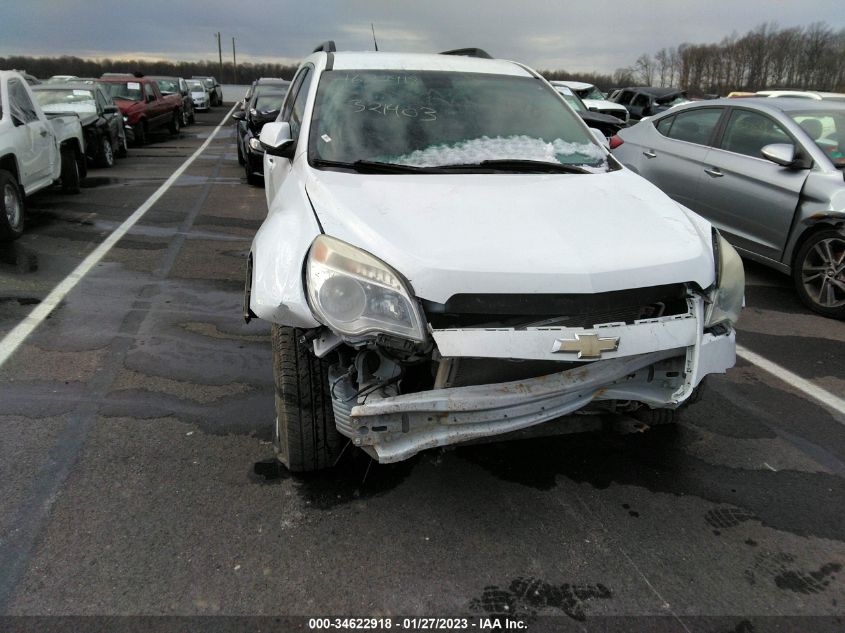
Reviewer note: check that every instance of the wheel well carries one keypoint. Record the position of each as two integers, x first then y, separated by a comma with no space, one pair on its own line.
8,163
822,225
73,143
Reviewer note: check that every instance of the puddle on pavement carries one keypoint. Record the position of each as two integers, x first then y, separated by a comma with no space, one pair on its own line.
17,258
356,476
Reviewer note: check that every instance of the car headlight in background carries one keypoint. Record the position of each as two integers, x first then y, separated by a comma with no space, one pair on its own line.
355,293
729,294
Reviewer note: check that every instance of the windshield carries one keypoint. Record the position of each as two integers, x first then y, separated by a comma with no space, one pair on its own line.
196,86
209,83
591,93
66,100
129,90
827,129
268,102
436,118
265,88
168,85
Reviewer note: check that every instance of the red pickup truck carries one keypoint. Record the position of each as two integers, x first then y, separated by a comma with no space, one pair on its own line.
143,106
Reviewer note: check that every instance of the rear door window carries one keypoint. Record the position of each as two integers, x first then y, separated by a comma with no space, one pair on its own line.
748,132
21,105
695,126
640,101
664,125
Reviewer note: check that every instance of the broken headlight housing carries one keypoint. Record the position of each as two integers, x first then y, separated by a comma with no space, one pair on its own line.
355,293
728,296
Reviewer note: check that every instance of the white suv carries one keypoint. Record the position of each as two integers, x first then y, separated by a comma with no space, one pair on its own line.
450,254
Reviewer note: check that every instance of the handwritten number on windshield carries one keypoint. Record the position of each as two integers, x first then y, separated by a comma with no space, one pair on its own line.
396,109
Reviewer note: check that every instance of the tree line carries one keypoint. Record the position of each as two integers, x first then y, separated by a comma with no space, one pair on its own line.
44,67
766,57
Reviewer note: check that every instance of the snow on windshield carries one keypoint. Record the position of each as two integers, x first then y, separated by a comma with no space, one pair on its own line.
504,148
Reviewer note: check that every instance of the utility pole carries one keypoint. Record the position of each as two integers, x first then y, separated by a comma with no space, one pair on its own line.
219,53
234,64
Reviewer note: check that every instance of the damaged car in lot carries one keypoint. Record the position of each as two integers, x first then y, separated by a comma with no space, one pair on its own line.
450,254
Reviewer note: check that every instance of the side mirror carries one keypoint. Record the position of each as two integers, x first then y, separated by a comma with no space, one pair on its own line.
600,137
151,98
239,116
782,154
276,139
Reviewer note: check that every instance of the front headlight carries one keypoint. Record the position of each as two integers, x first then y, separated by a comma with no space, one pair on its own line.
728,296
355,293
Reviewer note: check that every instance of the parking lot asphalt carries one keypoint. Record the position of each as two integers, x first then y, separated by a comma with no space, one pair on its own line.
136,470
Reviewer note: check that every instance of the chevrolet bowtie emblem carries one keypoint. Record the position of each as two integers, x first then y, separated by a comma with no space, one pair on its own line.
587,345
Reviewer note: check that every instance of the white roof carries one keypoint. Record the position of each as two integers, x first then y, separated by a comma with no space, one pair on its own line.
371,60
575,85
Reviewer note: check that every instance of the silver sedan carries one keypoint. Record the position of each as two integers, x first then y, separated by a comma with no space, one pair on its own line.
768,173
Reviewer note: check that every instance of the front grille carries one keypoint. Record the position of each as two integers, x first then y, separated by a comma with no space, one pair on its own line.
491,371
556,310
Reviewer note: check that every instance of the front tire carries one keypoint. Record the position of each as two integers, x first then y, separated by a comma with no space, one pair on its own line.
71,171
251,177
12,208
305,437
105,158
141,133
819,273
175,123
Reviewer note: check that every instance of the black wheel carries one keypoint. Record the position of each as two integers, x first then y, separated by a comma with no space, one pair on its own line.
12,208
71,171
251,177
175,123
241,160
105,157
122,146
819,273
305,436
141,133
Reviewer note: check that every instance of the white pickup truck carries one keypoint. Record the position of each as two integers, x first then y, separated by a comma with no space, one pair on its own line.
36,151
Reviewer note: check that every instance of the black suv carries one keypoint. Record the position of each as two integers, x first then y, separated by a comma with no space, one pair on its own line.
645,101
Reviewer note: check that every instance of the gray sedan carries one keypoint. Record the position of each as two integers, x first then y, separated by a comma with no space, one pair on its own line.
768,173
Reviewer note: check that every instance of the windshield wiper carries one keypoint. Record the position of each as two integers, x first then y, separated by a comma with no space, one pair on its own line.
376,167
518,165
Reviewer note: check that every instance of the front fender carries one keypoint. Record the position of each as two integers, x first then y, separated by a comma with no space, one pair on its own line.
276,292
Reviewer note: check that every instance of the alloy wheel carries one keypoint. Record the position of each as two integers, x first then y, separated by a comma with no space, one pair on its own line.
823,272
12,204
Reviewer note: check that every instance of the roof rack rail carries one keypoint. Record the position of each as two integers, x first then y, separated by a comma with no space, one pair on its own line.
326,47
469,52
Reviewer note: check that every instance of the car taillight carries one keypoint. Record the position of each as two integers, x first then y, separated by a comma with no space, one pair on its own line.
615,141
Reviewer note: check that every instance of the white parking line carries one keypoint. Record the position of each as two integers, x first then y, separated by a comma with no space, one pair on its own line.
805,386
20,332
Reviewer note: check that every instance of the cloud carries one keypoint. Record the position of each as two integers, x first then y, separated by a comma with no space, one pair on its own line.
598,35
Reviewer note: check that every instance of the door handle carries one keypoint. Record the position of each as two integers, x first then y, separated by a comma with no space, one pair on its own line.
713,173
649,154
43,132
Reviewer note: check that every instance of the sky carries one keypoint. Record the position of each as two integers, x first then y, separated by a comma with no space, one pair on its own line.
580,36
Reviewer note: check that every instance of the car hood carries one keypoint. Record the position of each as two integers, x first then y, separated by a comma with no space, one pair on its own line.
603,104
127,106
516,233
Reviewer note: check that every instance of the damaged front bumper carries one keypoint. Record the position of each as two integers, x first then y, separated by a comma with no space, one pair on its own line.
394,428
